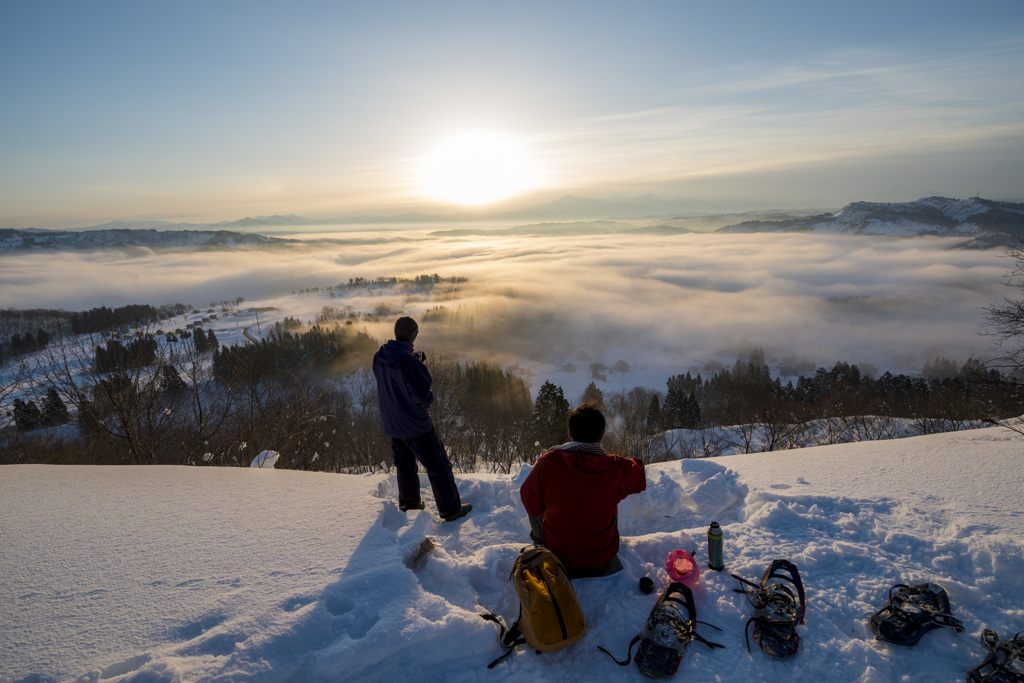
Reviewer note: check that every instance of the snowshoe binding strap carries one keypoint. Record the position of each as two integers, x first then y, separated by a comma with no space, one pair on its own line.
1005,660
778,608
629,653
667,618
912,611
669,629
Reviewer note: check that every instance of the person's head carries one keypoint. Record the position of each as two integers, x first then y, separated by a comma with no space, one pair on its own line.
586,423
406,329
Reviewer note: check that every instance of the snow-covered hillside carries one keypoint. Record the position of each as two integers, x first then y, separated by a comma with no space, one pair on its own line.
206,574
986,221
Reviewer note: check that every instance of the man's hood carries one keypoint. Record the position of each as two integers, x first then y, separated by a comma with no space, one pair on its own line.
393,350
585,458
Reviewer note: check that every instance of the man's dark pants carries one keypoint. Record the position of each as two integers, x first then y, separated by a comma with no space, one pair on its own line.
430,452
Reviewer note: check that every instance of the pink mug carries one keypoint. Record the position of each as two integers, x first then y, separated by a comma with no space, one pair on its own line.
680,567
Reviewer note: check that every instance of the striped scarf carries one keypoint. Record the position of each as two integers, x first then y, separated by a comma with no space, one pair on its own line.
581,447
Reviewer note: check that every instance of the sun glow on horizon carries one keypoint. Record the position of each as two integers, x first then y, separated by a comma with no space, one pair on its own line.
477,168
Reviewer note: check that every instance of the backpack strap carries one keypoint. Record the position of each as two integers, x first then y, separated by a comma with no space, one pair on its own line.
512,649
509,638
629,654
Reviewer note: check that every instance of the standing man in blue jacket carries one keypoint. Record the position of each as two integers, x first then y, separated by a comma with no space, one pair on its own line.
403,389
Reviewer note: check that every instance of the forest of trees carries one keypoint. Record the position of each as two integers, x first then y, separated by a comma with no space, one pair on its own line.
311,397
317,352
28,331
103,318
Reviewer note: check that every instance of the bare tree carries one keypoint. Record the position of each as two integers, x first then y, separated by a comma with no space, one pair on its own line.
868,428
482,414
200,410
119,404
279,411
630,432
459,435
498,403
747,433
706,441
15,382
1005,323
369,448
14,378
783,424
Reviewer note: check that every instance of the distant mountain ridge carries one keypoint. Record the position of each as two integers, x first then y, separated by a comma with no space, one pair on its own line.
981,222
114,238
984,222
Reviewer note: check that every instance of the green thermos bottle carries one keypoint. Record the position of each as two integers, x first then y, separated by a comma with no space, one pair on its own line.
716,553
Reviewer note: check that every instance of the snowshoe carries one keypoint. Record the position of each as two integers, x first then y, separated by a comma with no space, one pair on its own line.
669,629
912,611
777,608
419,557
1005,660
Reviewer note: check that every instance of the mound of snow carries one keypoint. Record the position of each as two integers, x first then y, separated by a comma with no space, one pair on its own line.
177,573
266,460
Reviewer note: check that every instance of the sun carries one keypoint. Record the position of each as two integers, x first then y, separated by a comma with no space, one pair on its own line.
476,168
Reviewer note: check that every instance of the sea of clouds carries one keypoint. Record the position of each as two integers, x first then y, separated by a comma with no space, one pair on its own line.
659,301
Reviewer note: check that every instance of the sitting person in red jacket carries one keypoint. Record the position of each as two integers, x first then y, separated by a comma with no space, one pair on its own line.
572,497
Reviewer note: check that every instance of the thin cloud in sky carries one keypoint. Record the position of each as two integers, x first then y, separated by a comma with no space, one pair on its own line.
850,104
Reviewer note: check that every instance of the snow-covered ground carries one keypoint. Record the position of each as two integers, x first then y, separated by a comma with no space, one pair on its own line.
201,574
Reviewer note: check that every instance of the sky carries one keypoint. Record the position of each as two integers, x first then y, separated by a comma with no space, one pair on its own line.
201,112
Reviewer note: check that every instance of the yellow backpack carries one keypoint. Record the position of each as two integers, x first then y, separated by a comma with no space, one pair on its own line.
550,617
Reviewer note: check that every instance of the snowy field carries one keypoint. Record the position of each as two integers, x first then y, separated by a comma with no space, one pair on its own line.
202,574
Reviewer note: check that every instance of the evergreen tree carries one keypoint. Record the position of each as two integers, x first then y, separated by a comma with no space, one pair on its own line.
550,413
691,415
654,418
674,407
26,415
54,410
143,351
211,342
220,365
681,409
102,362
170,380
593,395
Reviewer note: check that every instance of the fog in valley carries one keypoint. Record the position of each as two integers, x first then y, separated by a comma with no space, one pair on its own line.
557,304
